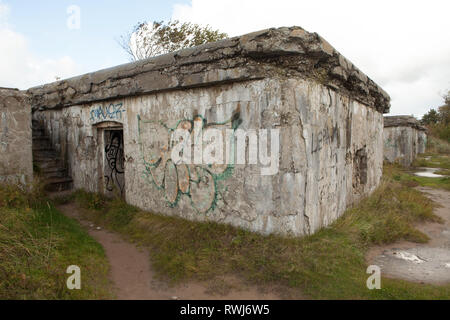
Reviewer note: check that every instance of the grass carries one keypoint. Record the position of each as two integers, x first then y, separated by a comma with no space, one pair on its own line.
404,177
438,156
437,146
38,244
330,264
431,160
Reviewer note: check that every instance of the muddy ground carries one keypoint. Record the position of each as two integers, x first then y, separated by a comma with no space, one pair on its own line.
134,279
423,263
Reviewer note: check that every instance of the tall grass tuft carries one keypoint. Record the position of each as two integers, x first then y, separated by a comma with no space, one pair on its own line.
38,244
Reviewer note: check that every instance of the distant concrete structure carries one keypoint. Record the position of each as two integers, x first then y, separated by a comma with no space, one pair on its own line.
404,139
16,165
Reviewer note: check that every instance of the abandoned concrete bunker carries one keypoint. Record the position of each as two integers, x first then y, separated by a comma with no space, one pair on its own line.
16,164
404,139
113,131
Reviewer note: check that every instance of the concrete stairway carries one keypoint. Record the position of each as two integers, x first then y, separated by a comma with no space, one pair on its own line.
49,162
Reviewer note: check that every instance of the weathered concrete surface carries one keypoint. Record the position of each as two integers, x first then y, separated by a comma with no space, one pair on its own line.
16,164
284,52
330,156
329,115
404,139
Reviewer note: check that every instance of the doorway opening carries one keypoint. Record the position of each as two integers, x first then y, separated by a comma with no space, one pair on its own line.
113,162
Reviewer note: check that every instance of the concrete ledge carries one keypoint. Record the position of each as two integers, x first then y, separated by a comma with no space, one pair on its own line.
284,52
403,121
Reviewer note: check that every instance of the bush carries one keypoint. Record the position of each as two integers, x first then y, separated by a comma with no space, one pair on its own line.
436,145
441,131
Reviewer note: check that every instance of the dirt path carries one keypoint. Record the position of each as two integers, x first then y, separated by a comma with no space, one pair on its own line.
134,279
425,263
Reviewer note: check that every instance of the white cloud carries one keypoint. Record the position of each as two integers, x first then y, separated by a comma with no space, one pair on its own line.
19,68
404,46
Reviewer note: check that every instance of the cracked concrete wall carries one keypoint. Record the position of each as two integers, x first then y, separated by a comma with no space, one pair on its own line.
422,139
403,144
328,112
404,138
331,153
16,164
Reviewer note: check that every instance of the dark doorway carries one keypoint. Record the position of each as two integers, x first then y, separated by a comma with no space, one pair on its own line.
114,164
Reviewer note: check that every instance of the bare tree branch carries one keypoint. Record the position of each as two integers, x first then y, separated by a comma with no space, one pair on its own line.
147,40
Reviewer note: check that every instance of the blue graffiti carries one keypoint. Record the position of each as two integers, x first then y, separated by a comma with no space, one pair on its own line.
105,113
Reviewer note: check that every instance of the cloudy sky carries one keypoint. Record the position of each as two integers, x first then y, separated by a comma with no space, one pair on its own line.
402,45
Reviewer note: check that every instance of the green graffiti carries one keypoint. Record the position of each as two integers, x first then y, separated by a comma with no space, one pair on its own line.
200,183
389,143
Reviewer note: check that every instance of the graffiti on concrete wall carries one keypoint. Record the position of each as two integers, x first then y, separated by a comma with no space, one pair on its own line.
201,183
324,137
111,112
388,143
114,161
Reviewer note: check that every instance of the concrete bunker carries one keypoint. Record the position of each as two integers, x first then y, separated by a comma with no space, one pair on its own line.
115,129
16,165
404,139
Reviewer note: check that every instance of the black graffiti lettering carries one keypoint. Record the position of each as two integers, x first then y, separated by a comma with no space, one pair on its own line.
115,161
324,137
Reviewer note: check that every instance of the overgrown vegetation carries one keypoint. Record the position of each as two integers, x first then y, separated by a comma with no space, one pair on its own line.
437,146
438,122
411,180
431,160
437,156
38,244
329,264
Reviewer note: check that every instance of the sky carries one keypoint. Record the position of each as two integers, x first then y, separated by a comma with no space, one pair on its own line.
404,46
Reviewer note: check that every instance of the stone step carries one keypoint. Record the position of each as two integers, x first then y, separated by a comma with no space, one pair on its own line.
41,138
46,154
58,184
38,132
43,148
44,162
39,144
48,163
54,171
55,175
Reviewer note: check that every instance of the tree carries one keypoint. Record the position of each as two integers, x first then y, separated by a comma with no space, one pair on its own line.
444,111
438,122
432,117
151,39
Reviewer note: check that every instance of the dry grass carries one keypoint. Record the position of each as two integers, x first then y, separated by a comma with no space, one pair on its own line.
437,146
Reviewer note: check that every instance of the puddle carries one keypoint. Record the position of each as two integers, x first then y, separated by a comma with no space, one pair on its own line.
408,256
428,173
